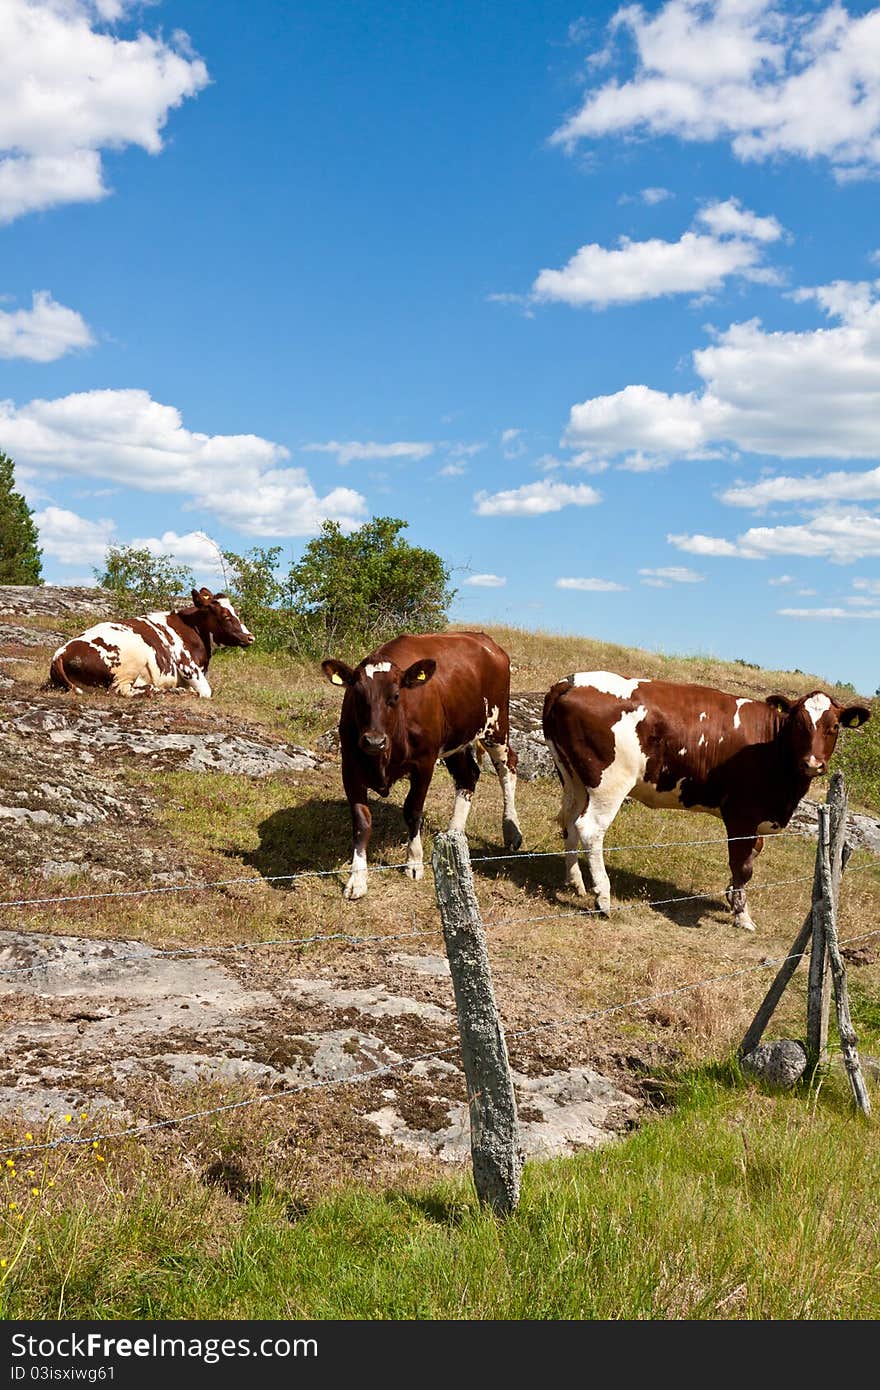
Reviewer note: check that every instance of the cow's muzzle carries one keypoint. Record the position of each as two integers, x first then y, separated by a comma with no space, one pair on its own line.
814,767
373,743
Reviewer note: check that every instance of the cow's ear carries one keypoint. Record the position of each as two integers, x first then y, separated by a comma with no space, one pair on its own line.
854,716
198,600
418,673
781,703
337,673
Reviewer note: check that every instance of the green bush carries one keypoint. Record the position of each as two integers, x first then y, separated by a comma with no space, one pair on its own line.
141,581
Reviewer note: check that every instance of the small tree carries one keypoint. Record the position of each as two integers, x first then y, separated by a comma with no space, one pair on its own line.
20,556
258,594
140,580
354,591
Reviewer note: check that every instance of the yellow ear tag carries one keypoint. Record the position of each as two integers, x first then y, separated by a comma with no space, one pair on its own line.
337,679
421,676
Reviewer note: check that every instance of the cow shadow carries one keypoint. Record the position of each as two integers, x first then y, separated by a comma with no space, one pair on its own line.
315,836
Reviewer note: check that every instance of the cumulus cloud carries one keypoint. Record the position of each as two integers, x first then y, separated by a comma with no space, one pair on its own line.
670,574
486,581
810,394
72,90
44,332
591,586
698,263
126,437
534,499
195,549
826,613
72,539
771,82
839,536
355,451
820,487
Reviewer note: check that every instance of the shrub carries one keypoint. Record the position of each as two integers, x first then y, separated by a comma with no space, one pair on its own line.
141,581
20,556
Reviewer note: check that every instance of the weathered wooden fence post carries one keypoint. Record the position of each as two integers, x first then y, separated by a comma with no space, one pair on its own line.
848,1037
495,1149
819,988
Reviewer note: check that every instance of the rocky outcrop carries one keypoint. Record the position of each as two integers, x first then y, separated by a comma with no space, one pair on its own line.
54,600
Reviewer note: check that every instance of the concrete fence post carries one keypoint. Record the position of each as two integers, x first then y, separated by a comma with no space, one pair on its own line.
495,1149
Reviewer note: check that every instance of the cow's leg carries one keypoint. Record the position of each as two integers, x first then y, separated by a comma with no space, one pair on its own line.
603,804
465,772
361,824
504,762
413,806
199,683
574,802
742,849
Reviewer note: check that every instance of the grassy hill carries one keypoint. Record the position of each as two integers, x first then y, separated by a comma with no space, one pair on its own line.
717,1205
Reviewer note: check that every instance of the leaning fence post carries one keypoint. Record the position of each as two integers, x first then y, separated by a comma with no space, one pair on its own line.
819,987
495,1150
848,1039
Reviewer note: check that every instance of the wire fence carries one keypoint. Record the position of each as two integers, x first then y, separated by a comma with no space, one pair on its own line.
398,1065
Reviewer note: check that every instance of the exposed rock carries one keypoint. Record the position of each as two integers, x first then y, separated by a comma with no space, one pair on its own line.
29,636
375,1001
778,1064
53,600
862,832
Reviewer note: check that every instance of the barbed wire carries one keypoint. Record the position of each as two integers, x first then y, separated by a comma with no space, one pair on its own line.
194,952
362,1078
521,855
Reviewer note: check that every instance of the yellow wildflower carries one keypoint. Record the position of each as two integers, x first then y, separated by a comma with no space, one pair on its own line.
29,1138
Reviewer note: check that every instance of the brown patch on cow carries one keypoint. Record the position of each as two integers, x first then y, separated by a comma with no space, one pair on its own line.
83,663
156,641
583,735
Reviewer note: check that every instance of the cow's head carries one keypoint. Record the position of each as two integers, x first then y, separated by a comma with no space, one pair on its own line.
375,689
219,620
811,727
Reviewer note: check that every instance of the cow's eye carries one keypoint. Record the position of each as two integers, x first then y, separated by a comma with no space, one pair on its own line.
392,699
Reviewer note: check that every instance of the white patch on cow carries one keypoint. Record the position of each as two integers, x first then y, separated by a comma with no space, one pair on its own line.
701,740
225,603
816,707
371,668
682,752
766,827
607,682
620,777
357,882
703,715
415,858
491,724
460,809
739,705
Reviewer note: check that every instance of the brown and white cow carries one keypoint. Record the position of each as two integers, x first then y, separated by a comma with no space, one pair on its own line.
157,651
670,744
411,702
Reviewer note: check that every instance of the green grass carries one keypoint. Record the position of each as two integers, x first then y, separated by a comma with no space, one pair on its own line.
740,1205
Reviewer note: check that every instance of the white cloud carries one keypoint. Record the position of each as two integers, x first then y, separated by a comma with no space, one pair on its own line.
748,71
652,196
839,536
732,219
591,586
512,444
487,581
535,499
781,579
825,613
195,549
870,586
126,437
636,270
354,451
72,539
822,487
71,90
809,394
670,574
452,470
44,332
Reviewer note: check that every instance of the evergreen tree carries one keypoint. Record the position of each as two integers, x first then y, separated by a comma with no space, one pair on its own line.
20,556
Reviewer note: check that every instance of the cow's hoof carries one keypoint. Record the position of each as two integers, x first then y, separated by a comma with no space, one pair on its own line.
744,922
414,871
512,835
355,888
603,906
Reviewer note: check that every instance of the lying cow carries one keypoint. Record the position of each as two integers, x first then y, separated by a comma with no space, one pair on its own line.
411,702
689,747
158,651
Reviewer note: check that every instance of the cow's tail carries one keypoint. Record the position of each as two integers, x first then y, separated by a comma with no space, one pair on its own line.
58,677
548,725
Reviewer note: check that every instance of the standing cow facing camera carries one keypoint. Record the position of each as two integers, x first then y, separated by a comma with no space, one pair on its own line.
158,651
413,701
689,747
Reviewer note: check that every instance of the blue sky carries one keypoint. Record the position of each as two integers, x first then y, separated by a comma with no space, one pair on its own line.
589,297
